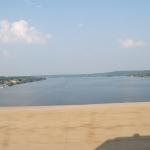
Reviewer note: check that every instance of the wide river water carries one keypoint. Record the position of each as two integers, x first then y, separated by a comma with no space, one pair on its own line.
75,91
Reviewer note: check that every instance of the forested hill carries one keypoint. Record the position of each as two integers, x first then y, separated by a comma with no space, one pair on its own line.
145,73
129,73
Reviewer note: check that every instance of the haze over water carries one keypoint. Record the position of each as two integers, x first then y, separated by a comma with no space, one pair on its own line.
79,90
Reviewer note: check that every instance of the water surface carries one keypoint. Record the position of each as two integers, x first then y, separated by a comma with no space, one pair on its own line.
79,90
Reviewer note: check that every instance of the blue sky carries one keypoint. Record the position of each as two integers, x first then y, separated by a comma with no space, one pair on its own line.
80,36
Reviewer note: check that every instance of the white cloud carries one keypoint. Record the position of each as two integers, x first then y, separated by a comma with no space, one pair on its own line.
81,25
20,31
131,43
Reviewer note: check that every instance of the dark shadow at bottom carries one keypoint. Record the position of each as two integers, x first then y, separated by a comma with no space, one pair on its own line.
135,142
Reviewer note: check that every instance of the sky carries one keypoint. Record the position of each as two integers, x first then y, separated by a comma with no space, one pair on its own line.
40,37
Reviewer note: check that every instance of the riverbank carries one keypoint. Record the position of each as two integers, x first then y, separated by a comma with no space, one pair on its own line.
71,127
11,81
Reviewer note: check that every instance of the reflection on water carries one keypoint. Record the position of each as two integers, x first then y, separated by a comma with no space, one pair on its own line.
66,91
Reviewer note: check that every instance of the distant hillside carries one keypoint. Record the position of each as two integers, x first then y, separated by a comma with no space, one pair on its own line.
144,73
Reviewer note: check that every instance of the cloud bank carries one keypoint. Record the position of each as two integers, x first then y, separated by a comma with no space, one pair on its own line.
131,43
20,31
